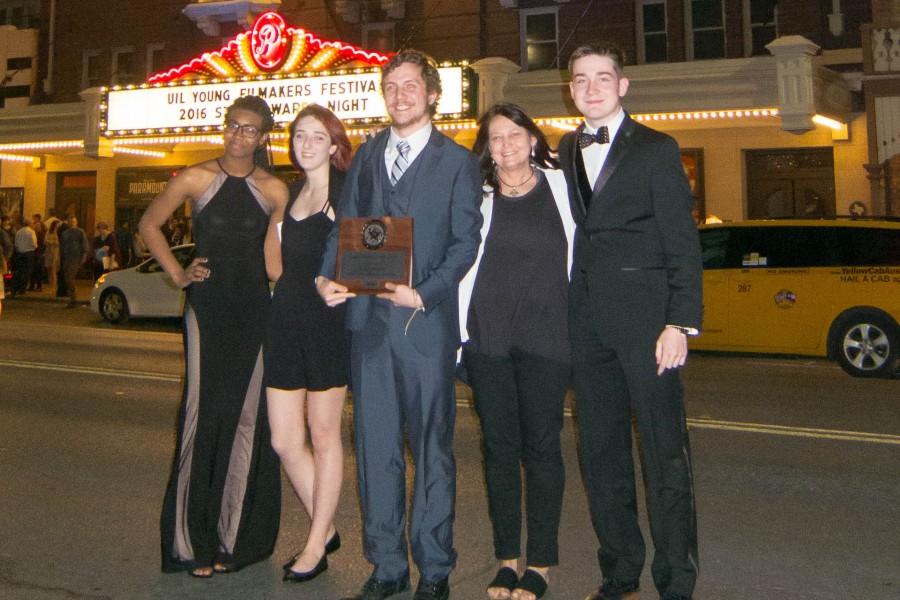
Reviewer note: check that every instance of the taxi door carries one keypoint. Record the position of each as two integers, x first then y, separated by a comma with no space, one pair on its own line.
772,298
714,245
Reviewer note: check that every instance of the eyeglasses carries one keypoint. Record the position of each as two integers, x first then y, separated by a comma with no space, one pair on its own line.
249,131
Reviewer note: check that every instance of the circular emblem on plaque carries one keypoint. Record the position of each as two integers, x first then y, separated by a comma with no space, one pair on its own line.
268,43
374,234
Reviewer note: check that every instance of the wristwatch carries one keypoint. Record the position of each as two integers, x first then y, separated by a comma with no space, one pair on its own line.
690,331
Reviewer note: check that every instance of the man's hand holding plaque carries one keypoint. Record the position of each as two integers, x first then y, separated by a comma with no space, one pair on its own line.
375,257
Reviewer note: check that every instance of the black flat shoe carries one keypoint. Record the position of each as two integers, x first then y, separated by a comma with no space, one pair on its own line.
298,577
332,546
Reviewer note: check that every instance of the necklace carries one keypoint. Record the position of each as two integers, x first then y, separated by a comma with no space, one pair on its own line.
514,189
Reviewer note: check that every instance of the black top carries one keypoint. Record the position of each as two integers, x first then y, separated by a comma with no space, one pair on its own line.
520,293
303,242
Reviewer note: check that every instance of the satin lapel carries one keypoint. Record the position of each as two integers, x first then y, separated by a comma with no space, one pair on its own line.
378,176
618,150
424,171
572,166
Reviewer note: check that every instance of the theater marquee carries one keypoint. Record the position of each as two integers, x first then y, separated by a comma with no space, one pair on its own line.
288,67
351,96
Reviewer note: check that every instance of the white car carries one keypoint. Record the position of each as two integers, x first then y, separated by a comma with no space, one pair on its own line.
142,291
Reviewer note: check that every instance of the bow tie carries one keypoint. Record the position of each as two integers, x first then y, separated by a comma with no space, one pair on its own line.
585,139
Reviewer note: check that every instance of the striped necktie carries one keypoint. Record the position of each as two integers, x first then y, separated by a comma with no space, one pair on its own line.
401,163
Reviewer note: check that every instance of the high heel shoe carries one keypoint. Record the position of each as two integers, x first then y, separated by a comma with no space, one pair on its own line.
298,577
332,546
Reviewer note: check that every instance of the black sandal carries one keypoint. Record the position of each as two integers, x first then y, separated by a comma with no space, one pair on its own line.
506,577
533,582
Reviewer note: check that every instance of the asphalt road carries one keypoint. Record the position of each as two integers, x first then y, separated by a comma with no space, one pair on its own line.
797,470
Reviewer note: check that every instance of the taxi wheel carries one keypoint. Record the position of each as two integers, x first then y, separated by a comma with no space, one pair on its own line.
113,306
865,344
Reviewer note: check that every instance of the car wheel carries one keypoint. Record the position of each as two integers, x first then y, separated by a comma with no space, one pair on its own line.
865,344
113,306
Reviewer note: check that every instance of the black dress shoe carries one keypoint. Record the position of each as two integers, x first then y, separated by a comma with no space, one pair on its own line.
379,589
332,546
299,577
611,589
432,590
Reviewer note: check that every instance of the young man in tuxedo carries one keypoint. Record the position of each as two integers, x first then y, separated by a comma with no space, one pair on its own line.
403,349
635,296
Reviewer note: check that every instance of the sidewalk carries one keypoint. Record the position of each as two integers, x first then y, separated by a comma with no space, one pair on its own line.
83,293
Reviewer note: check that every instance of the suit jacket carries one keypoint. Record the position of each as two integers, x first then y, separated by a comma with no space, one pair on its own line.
444,204
637,249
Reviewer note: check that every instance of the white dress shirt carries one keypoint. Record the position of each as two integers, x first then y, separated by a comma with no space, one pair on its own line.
595,155
417,142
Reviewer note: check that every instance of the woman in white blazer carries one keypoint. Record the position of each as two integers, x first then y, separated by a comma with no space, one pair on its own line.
513,305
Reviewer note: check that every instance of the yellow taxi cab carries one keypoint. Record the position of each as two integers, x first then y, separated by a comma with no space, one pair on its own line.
826,288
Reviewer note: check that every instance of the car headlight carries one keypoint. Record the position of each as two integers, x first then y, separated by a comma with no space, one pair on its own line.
100,280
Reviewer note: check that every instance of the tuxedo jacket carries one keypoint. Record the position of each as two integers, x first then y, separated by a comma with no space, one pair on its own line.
444,204
637,249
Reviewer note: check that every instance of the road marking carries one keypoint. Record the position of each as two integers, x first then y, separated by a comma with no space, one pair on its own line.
764,428
807,432
147,375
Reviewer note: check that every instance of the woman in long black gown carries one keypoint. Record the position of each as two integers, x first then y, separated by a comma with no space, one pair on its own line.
307,347
222,504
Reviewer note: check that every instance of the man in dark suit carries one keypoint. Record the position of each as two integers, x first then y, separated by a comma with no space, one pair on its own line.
635,296
405,340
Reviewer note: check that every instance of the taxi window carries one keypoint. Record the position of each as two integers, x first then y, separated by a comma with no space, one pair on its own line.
869,246
714,246
786,247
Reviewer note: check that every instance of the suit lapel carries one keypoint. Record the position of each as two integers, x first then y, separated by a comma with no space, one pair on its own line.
378,175
571,142
618,150
421,172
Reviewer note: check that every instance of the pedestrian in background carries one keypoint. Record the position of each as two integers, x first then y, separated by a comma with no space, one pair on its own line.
125,240
107,256
74,249
36,279
51,255
23,260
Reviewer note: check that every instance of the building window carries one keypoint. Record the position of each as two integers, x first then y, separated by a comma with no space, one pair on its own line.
378,36
123,70
154,58
538,32
760,26
705,22
90,69
651,27
20,63
23,15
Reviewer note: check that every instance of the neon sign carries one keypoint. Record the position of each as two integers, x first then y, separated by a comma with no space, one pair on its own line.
270,47
268,41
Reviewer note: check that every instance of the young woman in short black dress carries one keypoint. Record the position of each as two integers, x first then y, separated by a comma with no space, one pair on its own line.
307,347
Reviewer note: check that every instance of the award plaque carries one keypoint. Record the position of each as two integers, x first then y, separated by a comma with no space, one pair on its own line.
373,251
